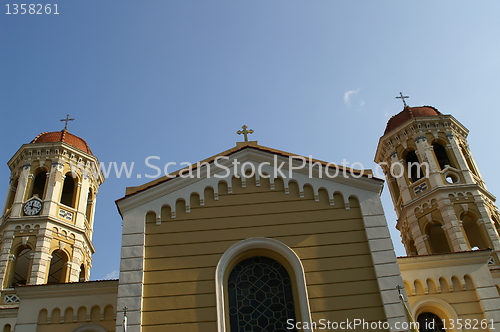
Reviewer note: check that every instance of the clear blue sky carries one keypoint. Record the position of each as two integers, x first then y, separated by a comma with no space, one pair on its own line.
177,79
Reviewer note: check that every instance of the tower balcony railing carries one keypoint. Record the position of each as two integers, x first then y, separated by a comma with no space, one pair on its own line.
419,187
66,213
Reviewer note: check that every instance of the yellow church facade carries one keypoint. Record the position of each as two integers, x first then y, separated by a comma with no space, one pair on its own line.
329,234
257,239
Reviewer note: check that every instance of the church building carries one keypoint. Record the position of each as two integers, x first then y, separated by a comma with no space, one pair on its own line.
257,239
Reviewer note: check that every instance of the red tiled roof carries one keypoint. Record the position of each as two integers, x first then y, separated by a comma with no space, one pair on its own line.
63,136
410,112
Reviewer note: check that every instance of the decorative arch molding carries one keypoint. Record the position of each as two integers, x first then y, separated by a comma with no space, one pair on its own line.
199,189
261,243
168,190
436,306
90,328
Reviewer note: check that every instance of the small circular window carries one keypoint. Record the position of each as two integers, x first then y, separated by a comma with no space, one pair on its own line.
451,178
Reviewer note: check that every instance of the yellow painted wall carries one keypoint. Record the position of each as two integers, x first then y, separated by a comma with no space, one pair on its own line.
68,319
182,253
463,301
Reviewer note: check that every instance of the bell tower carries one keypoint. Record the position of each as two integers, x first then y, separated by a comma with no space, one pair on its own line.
439,196
46,224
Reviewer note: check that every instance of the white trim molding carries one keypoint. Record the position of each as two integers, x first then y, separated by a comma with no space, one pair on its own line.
383,257
90,328
437,306
261,243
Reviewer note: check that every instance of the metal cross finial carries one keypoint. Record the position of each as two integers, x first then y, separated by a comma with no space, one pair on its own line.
399,288
403,98
245,132
67,120
125,311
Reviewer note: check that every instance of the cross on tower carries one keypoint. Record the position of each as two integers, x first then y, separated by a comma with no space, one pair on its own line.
245,132
66,120
403,98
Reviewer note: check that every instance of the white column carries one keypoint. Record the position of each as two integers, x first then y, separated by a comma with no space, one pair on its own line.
11,191
21,191
462,165
401,181
54,187
82,200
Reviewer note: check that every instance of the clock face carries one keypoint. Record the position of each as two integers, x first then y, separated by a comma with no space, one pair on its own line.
32,207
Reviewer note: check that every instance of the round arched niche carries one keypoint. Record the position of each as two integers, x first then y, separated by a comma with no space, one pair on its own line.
90,328
255,247
436,306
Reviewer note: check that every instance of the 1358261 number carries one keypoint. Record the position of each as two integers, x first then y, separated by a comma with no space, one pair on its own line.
31,8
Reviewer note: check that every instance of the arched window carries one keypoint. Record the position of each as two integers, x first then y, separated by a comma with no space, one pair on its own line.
411,249
259,264
22,265
473,232
413,166
441,155
82,273
39,184
438,239
260,296
68,191
7,328
57,270
429,322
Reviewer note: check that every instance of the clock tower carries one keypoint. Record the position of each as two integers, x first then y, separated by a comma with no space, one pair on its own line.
46,224
439,195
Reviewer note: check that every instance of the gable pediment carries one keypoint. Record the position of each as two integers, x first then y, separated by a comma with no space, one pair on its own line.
249,161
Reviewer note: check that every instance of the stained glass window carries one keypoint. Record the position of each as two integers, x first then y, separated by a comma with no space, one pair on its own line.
429,322
260,296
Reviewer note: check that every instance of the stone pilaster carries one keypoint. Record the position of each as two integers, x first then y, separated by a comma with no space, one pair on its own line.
426,154
54,186
41,259
81,206
76,261
5,257
452,228
400,180
462,165
418,238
